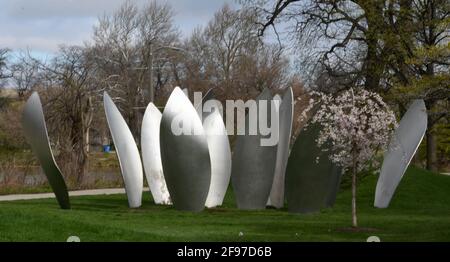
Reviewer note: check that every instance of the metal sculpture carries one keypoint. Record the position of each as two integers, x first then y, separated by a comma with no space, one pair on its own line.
401,149
285,112
151,155
335,182
278,100
312,180
186,92
35,132
220,154
127,152
253,164
207,96
219,148
199,105
185,156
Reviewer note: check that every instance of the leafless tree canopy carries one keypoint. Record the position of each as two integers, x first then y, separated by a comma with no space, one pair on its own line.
227,55
398,48
138,56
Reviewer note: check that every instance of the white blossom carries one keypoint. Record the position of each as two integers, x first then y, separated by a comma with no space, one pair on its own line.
356,124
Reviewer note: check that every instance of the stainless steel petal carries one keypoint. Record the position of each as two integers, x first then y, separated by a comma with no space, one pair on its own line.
208,95
219,150
35,132
401,149
220,155
185,157
199,106
127,152
335,183
276,198
310,184
277,98
186,91
151,155
253,165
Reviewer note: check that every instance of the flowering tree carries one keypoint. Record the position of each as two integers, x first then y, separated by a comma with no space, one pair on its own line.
356,124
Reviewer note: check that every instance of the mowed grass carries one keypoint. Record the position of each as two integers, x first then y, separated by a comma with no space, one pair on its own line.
420,211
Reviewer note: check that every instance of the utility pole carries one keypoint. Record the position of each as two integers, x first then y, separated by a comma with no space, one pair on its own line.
152,90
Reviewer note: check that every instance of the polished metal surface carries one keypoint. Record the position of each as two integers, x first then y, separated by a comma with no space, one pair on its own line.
401,149
275,187
208,95
151,155
220,155
286,109
185,157
253,165
335,183
35,132
199,106
127,153
186,91
310,184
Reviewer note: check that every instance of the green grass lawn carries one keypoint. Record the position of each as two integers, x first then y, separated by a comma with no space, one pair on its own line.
420,211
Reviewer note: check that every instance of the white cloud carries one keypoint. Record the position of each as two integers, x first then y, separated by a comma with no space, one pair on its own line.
42,25
45,9
41,44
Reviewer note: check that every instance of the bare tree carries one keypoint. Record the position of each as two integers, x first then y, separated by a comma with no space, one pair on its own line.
157,38
228,56
230,35
69,97
264,67
127,46
4,74
25,74
3,62
335,34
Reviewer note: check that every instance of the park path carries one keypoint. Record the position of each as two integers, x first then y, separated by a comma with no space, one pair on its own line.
91,192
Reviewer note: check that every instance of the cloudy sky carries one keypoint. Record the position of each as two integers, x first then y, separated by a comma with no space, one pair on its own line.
42,25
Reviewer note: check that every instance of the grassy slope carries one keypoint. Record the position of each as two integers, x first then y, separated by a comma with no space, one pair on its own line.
420,211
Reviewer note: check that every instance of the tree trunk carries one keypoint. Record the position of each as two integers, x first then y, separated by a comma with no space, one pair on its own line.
431,150
87,143
354,217
374,67
374,64
431,136
82,168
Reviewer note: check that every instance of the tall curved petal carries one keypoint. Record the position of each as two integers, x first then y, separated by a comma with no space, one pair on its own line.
253,164
312,180
127,152
220,154
401,149
334,186
184,153
35,132
276,198
151,155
